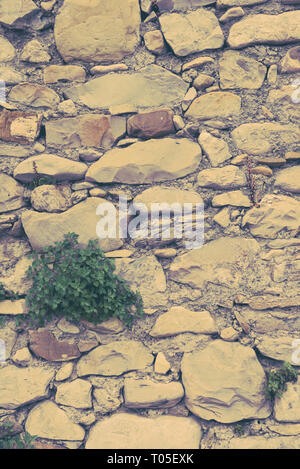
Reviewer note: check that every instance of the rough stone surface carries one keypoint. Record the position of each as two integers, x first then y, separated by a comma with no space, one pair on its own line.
224,382
115,359
87,130
266,29
19,386
148,394
47,420
228,177
145,162
215,105
239,71
178,320
34,95
80,219
60,169
276,214
98,31
162,432
19,126
11,194
151,124
151,86
193,32
44,344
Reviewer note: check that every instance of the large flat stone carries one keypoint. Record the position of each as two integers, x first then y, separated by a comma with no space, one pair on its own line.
192,32
115,359
97,31
20,386
265,29
34,95
289,179
151,86
224,382
45,345
147,162
50,165
123,431
80,219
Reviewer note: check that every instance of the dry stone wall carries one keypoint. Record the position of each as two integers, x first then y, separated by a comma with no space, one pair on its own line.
194,101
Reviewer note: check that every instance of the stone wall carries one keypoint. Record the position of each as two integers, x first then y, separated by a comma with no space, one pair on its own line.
167,101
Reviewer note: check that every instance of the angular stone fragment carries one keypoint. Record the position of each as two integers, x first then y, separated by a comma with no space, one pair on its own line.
285,102
147,162
151,124
12,13
81,219
291,61
179,320
19,126
276,214
51,166
88,130
145,394
195,31
115,359
64,73
76,393
216,262
7,50
232,13
289,179
154,41
32,94
124,430
265,29
216,149
240,71
228,177
146,276
44,344
152,86
11,194
10,76
215,105
224,382
98,31
233,198
257,139
20,386
34,52
47,420
278,347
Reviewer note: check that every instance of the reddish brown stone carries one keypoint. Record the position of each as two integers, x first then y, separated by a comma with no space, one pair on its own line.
44,344
88,130
19,126
151,124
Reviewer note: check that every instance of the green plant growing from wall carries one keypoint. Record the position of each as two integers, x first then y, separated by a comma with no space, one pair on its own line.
78,283
277,379
10,440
